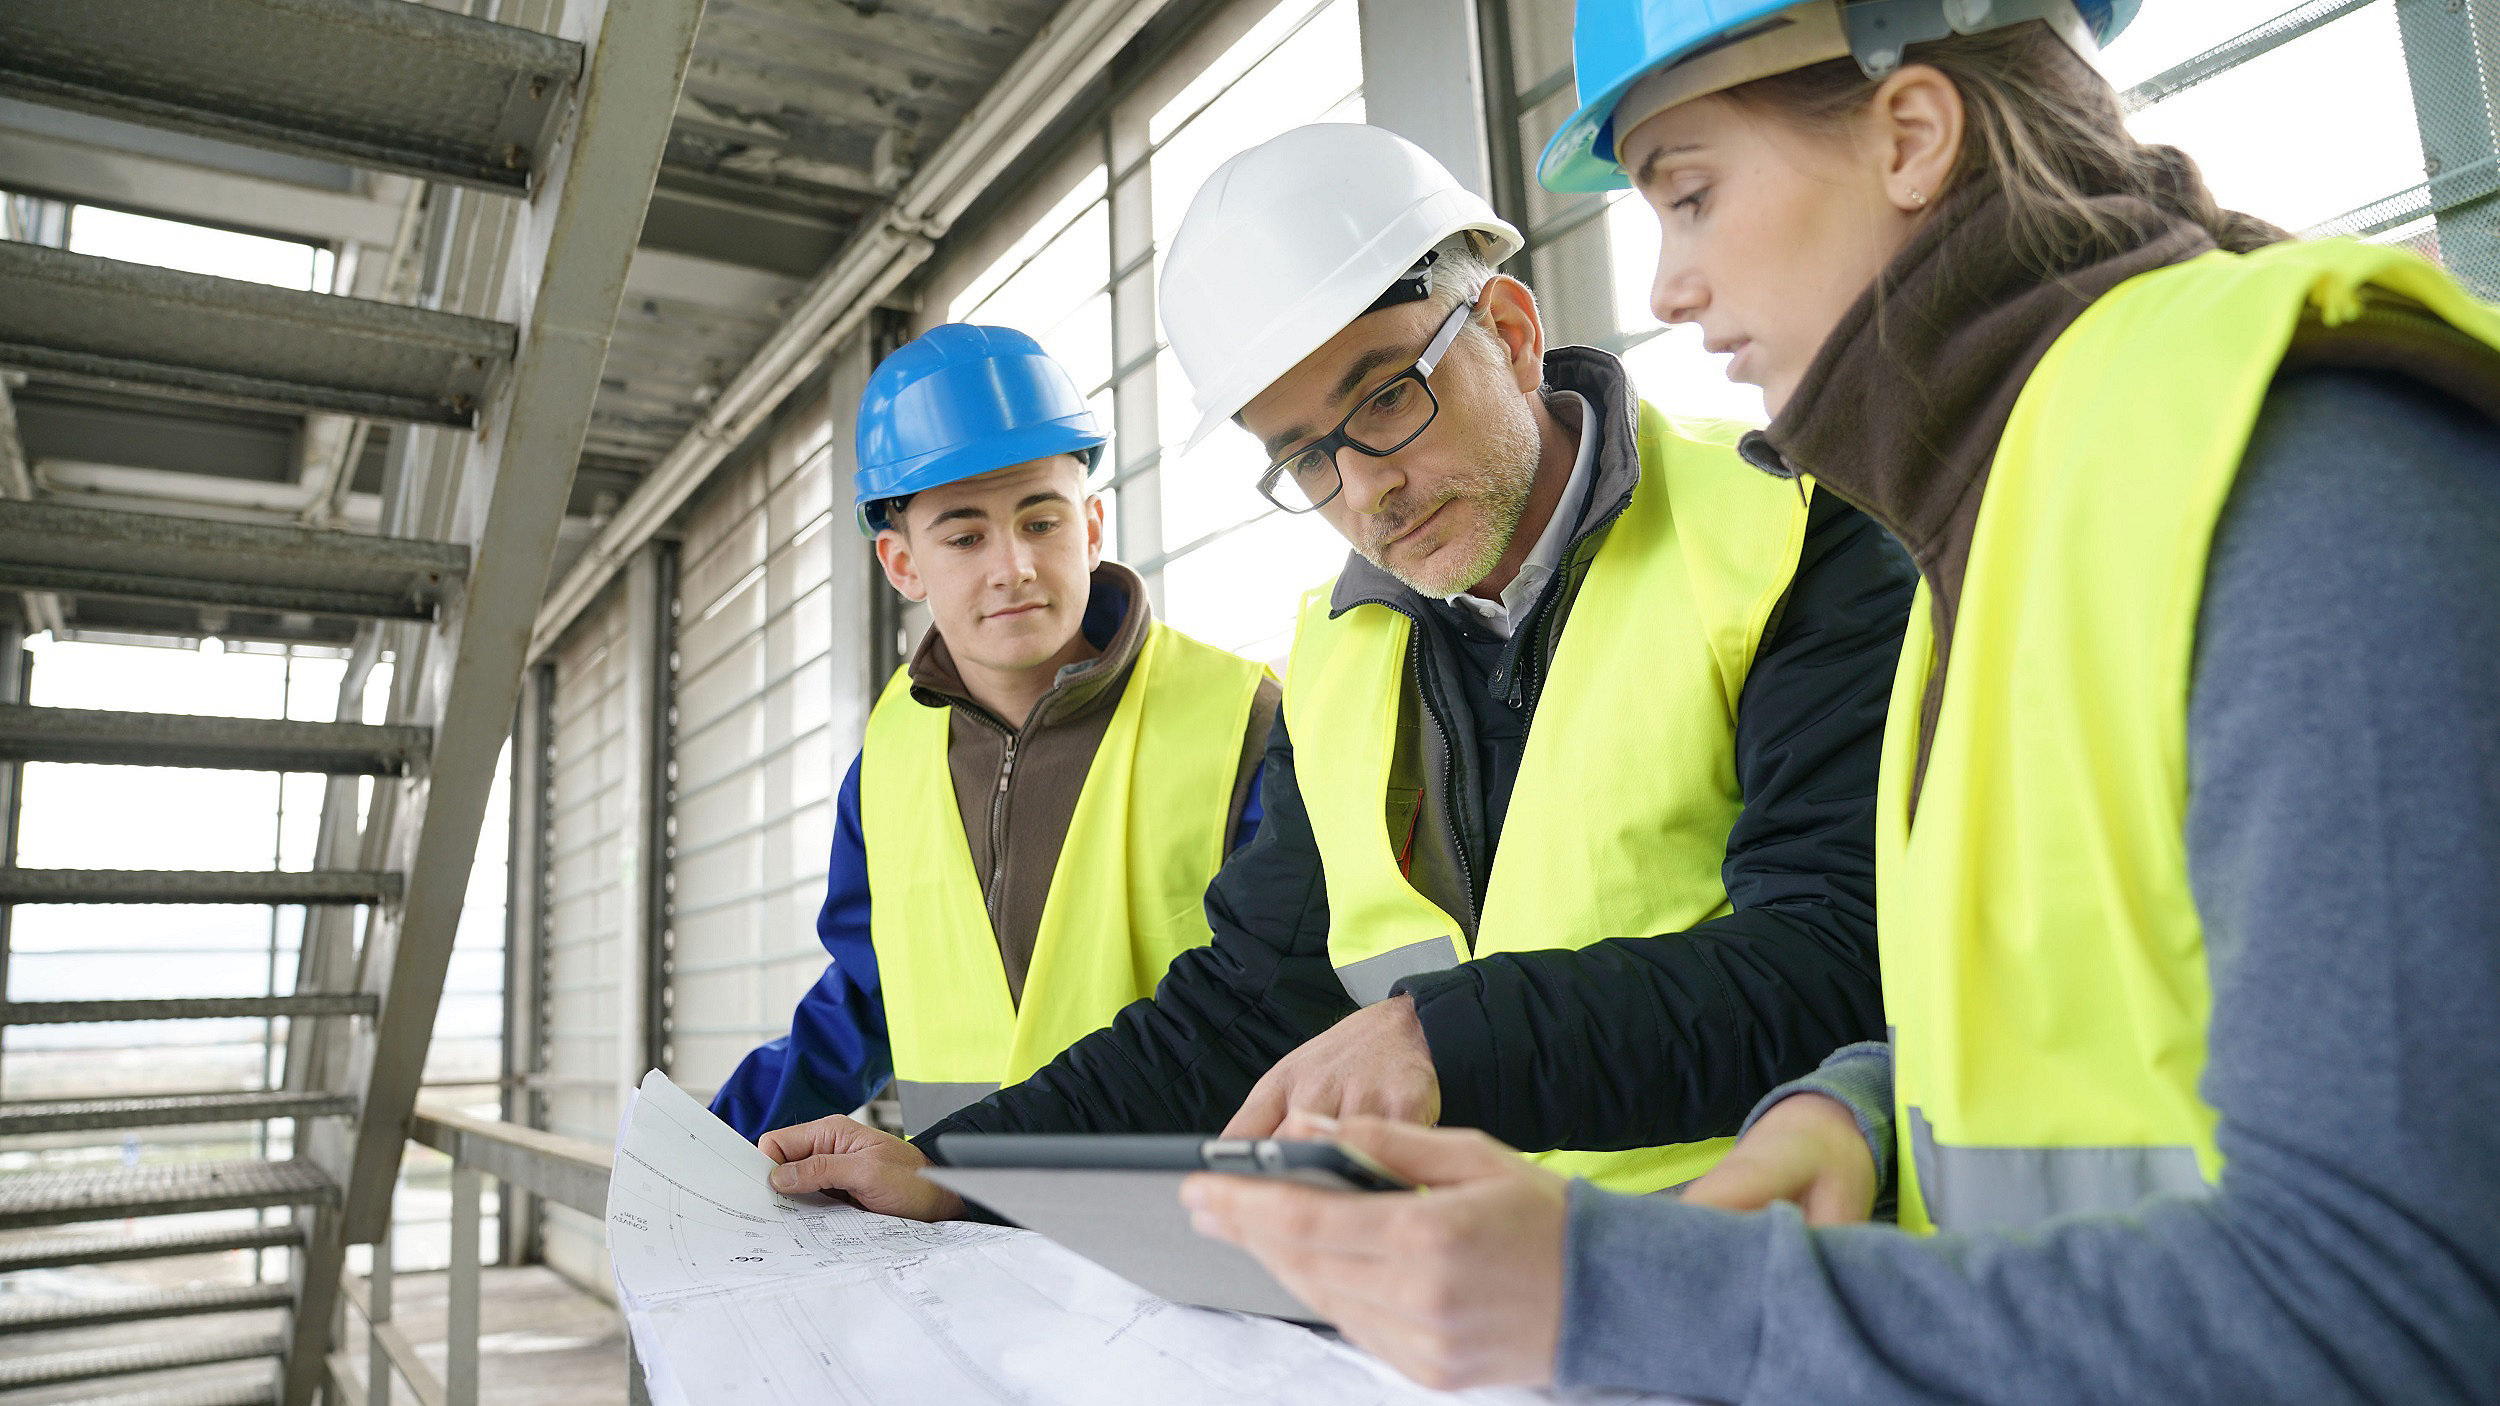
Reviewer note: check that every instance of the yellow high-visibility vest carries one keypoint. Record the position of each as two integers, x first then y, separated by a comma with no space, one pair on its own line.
1127,896
2043,961
1619,820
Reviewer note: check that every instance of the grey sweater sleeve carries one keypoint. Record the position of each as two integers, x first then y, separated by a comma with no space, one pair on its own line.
2344,844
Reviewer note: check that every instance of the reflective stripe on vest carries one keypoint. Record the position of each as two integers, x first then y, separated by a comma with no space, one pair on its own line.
2043,960
1128,894
925,1102
1618,822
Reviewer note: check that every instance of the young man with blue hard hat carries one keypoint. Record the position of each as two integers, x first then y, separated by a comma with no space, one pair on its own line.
2187,834
1044,790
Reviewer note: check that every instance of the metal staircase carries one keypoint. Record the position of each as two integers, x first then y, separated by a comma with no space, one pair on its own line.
546,145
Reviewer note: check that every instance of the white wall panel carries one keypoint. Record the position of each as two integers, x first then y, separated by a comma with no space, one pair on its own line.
584,958
758,758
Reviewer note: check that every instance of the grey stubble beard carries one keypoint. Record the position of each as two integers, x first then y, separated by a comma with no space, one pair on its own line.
1501,477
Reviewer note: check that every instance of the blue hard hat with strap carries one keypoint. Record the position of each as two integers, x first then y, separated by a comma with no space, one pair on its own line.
1617,44
960,401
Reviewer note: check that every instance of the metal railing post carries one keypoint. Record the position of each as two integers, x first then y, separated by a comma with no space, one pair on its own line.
460,1325
377,1317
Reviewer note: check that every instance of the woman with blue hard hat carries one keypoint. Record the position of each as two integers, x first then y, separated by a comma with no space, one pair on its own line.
2188,845
1044,790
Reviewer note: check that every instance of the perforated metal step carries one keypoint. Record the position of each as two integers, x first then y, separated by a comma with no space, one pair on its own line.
196,886
52,1369
64,1198
124,326
193,561
186,1008
246,1394
379,83
55,1251
91,735
131,1308
165,1110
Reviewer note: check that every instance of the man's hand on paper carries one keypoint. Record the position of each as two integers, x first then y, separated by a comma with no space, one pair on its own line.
1807,1150
845,1158
1458,1287
1374,1062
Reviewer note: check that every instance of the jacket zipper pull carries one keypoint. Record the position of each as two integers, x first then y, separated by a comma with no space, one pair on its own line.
1007,767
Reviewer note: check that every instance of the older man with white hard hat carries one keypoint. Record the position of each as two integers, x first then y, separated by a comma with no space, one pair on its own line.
1569,817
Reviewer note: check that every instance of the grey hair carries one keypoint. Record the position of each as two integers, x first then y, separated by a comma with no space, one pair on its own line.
1459,272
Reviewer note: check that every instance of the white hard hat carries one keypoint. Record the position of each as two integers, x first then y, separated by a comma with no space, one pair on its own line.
1295,238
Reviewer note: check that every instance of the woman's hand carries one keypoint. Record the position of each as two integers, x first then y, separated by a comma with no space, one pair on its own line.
1807,1150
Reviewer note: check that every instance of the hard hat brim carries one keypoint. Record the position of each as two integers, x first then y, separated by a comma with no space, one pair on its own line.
1004,451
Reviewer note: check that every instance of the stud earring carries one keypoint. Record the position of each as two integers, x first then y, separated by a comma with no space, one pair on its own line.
1918,198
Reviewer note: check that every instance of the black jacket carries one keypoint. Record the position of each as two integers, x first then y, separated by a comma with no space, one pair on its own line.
1631,1042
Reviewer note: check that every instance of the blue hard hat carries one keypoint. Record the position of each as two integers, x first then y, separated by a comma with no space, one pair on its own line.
960,401
1617,43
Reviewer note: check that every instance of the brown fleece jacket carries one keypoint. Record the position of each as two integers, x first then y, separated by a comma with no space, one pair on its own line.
1017,785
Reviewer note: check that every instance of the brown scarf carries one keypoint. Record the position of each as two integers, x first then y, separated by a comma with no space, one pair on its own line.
1901,411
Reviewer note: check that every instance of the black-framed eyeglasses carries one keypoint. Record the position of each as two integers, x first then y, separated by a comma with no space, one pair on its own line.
1384,421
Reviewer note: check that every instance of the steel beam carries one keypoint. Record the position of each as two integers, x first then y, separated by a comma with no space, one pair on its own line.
96,1364
2452,80
29,734
65,1198
1136,407
195,561
17,485
165,1110
378,83
103,322
196,886
241,1394
61,1251
525,941
2237,50
131,1308
177,190
643,797
297,1007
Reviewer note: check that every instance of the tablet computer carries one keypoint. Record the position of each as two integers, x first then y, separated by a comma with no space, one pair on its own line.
1115,1199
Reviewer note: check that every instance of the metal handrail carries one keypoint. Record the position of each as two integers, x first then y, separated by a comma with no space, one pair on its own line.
569,1171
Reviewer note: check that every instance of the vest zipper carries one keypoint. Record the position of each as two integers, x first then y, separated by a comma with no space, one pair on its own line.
1449,777
998,829
1527,645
